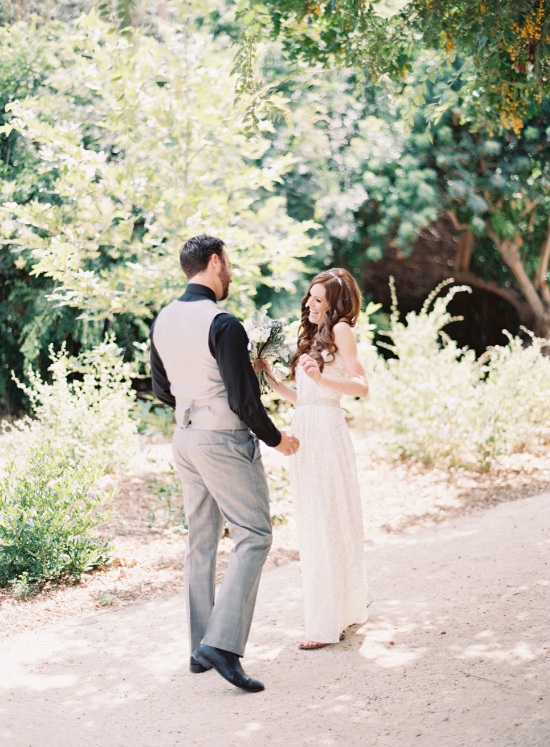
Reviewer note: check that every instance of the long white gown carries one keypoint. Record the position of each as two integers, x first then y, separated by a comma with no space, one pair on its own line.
325,492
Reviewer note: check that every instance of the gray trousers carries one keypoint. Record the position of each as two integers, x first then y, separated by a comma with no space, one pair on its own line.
222,477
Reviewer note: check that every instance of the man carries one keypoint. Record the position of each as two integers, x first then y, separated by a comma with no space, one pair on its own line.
200,366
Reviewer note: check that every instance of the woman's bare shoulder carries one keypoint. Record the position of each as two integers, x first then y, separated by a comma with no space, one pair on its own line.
344,339
343,331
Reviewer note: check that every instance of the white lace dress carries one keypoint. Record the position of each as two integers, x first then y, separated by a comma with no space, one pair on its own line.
325,492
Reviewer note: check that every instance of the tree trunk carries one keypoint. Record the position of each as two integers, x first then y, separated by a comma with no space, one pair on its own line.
542,270
541,327
524,311
464,251
509,251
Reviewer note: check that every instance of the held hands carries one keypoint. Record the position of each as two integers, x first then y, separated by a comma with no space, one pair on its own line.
289,444
311,367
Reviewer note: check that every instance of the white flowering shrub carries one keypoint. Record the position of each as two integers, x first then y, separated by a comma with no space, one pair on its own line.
514,404
434,401
364,332
85,409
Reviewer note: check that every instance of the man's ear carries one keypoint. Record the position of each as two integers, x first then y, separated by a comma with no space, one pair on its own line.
215,261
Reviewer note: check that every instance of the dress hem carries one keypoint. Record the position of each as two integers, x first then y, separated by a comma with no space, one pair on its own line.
330,638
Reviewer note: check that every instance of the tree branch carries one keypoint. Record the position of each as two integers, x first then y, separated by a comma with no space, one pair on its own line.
523,309
458,226
542,269
464,251
530,206
465,242
509,252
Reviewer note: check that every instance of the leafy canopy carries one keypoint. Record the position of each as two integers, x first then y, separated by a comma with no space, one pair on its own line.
115,149
503,45
140,157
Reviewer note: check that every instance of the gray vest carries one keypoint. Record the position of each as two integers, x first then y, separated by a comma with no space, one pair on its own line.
180,335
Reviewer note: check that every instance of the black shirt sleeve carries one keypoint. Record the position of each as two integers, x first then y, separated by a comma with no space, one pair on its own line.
161,385
228,343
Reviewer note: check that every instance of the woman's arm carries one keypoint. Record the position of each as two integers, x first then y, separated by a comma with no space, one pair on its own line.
283,390
356,384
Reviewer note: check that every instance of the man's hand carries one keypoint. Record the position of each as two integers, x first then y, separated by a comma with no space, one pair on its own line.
289,444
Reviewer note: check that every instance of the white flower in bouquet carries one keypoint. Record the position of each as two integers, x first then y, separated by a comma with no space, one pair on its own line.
267,341
256,335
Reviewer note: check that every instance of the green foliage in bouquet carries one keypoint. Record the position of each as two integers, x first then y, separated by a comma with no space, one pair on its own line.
267,341
48,518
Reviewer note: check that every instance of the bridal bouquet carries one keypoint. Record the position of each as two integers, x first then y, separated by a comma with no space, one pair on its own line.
267,341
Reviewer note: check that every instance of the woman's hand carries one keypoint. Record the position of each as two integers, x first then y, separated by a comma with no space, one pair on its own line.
311,367
354,382
281,389
260,365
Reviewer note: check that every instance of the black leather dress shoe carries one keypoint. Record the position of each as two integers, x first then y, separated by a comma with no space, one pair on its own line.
227,664
197,668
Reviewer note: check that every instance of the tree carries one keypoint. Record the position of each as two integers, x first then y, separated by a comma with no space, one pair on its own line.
136,145
372,184
28,323
497,194
26,10
504,46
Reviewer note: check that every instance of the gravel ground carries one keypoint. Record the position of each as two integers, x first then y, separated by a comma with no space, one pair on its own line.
456,653
149,545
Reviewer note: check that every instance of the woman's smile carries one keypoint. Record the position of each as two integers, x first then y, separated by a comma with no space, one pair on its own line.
317,303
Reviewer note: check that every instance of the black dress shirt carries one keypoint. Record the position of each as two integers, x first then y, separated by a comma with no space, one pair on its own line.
228,343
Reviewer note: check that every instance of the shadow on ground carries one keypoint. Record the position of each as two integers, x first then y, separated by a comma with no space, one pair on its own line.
455,654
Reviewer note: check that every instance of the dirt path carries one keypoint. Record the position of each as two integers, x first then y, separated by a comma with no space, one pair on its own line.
149,543
456,653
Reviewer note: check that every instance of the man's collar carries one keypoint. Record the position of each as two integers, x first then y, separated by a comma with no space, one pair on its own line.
196,289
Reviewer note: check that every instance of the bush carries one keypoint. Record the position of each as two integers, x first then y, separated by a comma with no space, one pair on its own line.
513,409
48,517
86,410
434,401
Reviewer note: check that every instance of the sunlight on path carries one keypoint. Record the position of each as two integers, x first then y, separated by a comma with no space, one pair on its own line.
456,653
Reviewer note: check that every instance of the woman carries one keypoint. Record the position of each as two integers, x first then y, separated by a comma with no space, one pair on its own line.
323,473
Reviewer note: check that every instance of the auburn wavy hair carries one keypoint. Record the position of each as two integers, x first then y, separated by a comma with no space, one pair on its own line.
344,305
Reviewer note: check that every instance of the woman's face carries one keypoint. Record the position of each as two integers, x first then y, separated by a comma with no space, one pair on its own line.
317,303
